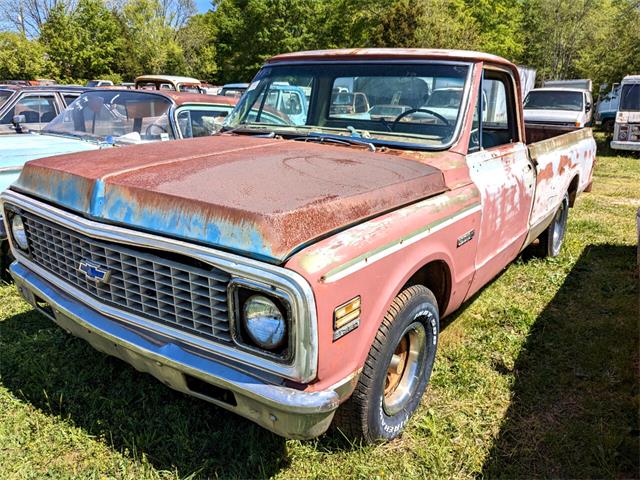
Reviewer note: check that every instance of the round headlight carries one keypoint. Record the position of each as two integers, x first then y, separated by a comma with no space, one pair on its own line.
264,322
19,233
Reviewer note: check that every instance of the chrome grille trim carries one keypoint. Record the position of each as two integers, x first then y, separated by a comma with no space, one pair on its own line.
304,365
181,296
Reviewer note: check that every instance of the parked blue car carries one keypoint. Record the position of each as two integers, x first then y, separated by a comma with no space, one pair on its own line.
106,118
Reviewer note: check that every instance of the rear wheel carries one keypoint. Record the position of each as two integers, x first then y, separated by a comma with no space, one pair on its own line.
552,238
397,369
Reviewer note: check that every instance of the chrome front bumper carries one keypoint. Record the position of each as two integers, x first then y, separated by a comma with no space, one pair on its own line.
285,411
633,146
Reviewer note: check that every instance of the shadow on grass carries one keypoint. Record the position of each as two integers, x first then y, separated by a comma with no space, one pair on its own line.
574,411
134,413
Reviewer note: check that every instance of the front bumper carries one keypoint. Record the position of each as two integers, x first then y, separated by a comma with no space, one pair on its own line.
633,146
285,411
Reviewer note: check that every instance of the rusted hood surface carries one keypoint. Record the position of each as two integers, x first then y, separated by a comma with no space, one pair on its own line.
260,197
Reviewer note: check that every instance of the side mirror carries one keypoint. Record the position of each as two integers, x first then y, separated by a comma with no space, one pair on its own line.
17,121
588,106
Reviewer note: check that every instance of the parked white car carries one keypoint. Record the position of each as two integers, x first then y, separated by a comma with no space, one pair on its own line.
567,107
626,134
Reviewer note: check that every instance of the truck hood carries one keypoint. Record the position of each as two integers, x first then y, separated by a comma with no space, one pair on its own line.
553,116
264,198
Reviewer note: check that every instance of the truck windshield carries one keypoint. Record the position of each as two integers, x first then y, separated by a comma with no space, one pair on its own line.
554,100
126,117
630,98
382,103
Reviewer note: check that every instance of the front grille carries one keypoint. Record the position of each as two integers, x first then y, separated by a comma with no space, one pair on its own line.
185,297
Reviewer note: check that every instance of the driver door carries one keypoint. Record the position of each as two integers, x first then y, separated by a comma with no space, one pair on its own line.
500,167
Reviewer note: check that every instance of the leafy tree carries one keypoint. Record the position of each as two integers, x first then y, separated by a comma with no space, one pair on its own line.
22,59
558,30
614,49
499,26
250,31
149,42
85,43
447,24
197,41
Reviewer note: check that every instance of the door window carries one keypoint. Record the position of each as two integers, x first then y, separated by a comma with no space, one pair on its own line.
70,97
497,124
36,109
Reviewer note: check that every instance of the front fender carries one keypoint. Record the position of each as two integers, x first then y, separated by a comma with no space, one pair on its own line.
375,260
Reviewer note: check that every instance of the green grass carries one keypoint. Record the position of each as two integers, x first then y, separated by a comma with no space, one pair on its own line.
537,376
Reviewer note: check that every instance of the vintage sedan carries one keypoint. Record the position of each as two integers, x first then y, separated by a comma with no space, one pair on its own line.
37,105
106,118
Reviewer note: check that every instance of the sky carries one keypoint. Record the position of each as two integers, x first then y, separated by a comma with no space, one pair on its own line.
203,5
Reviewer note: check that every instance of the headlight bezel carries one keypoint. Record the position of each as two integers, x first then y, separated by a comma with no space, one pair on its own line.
17,237
8,216
238,291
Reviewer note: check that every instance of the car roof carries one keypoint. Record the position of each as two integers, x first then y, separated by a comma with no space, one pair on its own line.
179,98
631,79
167,78
57,88
389,54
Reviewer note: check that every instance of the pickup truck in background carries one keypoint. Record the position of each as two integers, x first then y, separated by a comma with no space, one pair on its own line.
296,272
626,133
561,109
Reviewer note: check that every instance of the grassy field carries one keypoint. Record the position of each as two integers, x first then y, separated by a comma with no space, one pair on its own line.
535,377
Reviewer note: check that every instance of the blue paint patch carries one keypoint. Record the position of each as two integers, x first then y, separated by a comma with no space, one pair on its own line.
239,237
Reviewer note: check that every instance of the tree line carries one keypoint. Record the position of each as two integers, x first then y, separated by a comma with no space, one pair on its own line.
76,40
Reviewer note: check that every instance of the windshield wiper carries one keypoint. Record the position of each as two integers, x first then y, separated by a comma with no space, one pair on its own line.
257,131
321,138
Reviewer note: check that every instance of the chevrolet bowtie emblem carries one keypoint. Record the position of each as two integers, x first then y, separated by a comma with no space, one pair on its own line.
93,271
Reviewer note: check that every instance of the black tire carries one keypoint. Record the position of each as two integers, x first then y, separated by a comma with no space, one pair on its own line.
5,260
366,414
607,125
552,238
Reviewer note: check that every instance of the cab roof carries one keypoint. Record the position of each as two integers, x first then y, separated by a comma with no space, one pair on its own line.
389,54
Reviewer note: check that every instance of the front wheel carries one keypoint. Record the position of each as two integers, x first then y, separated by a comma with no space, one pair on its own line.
552,238
397,369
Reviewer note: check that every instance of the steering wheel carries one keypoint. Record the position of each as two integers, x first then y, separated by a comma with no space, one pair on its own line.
424,110
152,126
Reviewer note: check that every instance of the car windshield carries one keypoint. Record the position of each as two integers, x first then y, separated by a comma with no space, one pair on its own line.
382,103
553,100
121,117
630,98
4,95
189,87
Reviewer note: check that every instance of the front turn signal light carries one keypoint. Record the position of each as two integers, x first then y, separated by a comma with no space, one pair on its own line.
346,313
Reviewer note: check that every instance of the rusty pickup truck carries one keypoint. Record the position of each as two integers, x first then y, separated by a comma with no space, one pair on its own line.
296,272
